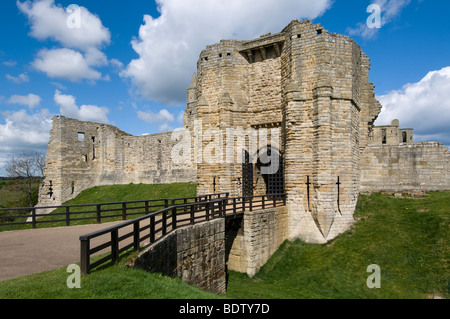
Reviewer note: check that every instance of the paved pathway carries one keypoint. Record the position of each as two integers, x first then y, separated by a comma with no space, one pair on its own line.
25,252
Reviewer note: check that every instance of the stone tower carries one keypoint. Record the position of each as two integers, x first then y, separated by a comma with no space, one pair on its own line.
301,98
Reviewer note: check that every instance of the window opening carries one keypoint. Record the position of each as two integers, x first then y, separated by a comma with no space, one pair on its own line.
93,147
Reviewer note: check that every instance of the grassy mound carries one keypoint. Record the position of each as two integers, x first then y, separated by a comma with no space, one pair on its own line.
408,238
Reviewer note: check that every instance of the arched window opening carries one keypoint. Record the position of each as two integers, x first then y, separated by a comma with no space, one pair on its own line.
270,164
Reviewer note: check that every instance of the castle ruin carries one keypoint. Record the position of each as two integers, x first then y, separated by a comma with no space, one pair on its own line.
291,112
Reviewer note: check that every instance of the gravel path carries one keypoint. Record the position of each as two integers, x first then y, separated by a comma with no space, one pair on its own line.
26,252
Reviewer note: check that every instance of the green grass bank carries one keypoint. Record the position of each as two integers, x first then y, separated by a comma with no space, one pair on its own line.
408,238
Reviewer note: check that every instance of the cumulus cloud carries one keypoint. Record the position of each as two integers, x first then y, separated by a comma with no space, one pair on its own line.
49,21
22,131
423,106
81,42
68,64
164,118
30,100
28,131
69,108
169,46
390,9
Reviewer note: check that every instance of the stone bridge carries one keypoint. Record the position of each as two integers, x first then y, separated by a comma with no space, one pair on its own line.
201,254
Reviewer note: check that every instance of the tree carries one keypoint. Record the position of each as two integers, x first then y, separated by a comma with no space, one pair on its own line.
28,166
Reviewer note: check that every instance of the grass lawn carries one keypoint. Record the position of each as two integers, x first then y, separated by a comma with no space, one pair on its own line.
407,238
111,283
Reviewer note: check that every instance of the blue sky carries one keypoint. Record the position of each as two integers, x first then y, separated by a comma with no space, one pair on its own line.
129,62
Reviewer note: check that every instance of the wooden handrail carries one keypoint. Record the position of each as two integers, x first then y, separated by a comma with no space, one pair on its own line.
67,213
171,218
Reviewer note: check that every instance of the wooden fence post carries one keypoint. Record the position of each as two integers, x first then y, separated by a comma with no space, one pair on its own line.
85,260
192,215
152,229
67,216
136,235
114,245
174,218
99,214
164,222
33,217
124,211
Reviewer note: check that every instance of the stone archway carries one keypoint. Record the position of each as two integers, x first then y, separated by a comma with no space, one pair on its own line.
270,167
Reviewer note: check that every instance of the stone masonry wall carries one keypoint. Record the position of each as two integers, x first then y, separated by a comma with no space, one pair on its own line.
328,109
230,93
405,168
261,234
196,254
81,155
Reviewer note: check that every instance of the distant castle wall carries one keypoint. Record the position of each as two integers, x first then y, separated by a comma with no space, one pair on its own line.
406,168
85,154
394,163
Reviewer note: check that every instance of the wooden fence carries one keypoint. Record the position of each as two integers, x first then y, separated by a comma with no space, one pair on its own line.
145,230
94,212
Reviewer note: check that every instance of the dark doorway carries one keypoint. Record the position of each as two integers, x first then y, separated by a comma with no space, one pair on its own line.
404,137
274,177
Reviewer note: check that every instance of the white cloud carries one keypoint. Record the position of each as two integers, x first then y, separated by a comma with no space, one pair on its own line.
21,78
169,46
30,100
80,54
390,9
49,21
164,118
68,64
23,131
423,106
69,108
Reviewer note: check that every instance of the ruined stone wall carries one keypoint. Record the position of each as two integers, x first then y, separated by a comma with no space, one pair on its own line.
196,254
81,155
405,168
391,135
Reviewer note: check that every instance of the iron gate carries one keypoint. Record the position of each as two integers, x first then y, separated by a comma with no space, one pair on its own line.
247,174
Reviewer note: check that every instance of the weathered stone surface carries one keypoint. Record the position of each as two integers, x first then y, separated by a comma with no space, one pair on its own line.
81,155
262,234
394,163
196,254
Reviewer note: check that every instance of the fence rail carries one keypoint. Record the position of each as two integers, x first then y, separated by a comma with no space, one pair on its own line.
148,229
96,212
